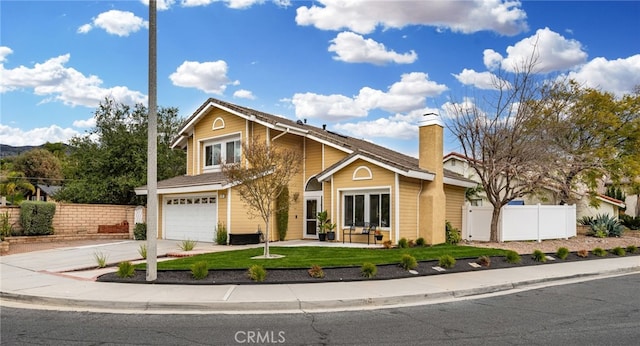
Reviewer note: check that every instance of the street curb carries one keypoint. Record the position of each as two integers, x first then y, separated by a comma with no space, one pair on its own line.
290,306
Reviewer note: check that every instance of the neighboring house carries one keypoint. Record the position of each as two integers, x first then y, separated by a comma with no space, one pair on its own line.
44,193
606,205
356,181
459,163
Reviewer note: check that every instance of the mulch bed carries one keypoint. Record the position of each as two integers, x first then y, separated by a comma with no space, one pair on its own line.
335,274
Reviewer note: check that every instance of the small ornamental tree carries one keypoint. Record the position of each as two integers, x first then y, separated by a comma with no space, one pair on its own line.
261,176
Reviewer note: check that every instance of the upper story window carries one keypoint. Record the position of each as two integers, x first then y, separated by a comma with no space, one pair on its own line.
221,151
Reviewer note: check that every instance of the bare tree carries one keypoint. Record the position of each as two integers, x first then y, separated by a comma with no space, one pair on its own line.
504,139
267,170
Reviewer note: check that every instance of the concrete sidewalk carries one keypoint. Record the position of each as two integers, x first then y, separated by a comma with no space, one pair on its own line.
45,279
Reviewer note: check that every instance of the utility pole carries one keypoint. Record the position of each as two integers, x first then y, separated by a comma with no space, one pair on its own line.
152,152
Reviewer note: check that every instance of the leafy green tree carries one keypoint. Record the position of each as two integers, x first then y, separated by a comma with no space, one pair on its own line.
593,135
40,166
14,186
107,163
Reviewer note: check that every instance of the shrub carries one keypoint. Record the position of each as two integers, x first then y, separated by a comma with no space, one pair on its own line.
452,234
125,270
630,222
562,253
187,245
221,235
632,249
512,257
619,251
446,261
140,231
599,252
5,226
484,261
199,270
282,213
586,220
36,218
420,242
539,256
101,259
368,270
142,250
582,253
316,272
408,262
387,244
604,225
403,243
257,273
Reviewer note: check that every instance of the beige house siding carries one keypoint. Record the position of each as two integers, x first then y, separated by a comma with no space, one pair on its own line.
344,181
203,131
312,159
409,192
455,202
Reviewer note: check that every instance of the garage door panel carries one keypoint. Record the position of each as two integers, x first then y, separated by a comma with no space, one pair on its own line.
189,218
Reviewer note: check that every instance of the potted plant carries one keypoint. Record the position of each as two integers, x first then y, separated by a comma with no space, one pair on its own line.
378,235
331,233
326,229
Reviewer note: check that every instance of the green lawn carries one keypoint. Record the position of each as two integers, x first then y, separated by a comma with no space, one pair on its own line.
305,256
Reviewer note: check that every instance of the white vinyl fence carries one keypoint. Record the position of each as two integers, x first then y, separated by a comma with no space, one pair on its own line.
520,222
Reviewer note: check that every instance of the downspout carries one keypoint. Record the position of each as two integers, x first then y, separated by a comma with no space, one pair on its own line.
280,135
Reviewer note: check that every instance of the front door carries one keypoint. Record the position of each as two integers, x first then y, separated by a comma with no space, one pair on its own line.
311,208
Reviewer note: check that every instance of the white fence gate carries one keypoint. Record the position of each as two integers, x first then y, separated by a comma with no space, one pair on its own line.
520,222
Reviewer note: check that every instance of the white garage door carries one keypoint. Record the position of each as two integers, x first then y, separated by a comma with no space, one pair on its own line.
192,217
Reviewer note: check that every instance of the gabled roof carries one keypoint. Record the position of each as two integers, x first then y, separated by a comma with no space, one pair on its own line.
611,200
355,148
50,190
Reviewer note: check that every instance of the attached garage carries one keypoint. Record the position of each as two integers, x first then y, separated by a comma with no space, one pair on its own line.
190,217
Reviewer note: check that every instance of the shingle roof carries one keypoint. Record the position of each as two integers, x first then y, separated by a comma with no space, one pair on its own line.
350,144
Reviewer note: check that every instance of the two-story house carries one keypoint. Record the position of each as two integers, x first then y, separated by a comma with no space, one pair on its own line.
355,180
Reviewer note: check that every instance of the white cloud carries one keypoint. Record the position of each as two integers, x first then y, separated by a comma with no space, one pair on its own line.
406,95
618,76
361,16
481,80
492,59
4,52
354,48
60,83
83,29
235,4
121,23
210,77
398,126
87,123
38,136
244,94
551,51
333,107
161,5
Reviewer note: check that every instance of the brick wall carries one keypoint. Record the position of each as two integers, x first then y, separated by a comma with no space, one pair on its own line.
71,219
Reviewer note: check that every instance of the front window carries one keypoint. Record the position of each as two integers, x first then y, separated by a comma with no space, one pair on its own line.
223,151
367,207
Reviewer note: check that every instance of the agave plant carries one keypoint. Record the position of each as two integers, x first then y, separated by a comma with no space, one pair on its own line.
603,224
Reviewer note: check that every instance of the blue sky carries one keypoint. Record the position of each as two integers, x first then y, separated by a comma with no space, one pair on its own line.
367,69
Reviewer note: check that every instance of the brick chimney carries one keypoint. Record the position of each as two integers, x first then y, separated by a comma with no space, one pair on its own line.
432,200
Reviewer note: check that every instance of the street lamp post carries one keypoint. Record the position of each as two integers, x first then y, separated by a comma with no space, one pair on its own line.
152,153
